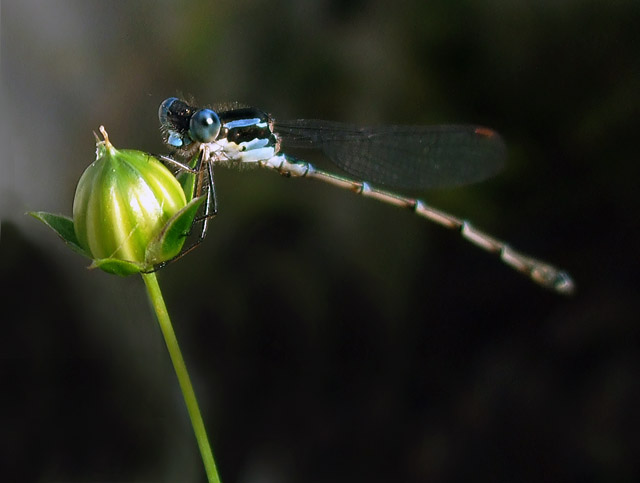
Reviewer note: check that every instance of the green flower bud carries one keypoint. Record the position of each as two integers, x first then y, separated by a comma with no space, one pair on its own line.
125,208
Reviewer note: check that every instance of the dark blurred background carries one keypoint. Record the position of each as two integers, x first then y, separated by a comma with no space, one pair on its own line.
330,338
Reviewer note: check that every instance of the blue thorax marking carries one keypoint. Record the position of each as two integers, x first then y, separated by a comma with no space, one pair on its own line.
247,128
242,123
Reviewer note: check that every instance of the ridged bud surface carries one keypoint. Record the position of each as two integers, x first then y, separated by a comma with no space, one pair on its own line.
122,202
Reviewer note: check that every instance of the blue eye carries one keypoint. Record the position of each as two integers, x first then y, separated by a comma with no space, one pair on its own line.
163,111
204,126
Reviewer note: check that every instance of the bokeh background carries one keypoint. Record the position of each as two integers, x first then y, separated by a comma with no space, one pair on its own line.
329,337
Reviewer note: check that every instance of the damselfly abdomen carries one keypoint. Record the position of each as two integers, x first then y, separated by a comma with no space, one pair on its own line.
378,161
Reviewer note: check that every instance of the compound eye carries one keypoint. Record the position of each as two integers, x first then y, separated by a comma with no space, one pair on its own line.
204,126
163,111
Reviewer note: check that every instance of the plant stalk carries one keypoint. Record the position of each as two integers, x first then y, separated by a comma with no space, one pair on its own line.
155,295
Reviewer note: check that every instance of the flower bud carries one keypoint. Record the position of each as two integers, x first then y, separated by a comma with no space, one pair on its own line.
123,208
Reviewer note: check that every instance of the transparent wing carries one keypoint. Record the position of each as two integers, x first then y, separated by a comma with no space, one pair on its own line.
412,158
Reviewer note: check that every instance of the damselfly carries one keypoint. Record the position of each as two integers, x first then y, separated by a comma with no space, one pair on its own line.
406,158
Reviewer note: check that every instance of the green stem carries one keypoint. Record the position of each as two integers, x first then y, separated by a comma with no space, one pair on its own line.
157,301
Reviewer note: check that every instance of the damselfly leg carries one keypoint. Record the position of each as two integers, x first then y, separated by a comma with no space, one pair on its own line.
200,169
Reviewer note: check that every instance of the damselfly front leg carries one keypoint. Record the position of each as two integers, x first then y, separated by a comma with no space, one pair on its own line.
202,168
